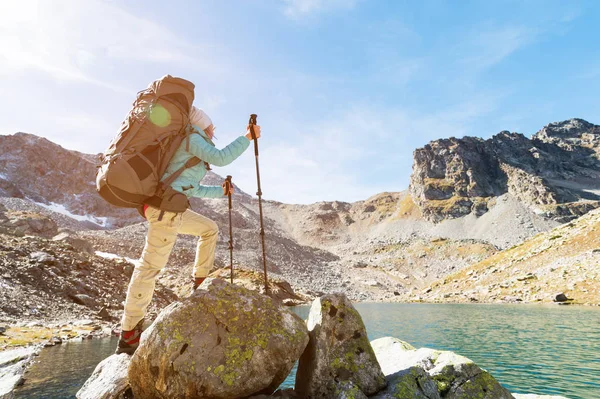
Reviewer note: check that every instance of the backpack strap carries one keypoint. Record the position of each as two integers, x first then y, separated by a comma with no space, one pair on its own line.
193,161
160,201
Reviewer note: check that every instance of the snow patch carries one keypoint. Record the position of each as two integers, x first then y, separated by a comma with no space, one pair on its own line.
3,176
60,208
108,255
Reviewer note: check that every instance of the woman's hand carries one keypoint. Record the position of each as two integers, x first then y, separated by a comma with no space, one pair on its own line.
256,132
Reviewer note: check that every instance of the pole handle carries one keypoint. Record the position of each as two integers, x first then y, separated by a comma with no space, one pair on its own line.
253,122
227,185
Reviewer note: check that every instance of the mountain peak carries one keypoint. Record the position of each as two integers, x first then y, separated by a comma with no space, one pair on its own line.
555,173
571,128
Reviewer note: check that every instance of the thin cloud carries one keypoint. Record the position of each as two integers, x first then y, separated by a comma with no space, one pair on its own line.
490,47
81,41
303,8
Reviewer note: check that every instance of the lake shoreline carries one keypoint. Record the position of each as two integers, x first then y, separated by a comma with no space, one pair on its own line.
25,331
503,339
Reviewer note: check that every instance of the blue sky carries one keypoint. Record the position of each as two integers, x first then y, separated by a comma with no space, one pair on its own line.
345,90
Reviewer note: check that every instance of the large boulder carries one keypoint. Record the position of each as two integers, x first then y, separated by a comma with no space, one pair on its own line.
224,341
428,373
338,352
109,380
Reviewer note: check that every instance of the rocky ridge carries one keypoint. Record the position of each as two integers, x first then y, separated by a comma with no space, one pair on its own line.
555,173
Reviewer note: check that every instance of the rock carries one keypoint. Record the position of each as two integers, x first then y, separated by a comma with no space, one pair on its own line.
84,300
13,363
512,299
452,375
83,322
104,314
528,276
109,380
224,341
413,382
561,297
359,265
338,351
55,340
387,350
76,242
348,390
29,223
2,330
292,302
42,257
128,269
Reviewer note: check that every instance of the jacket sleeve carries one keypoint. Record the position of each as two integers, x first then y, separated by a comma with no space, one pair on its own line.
206,152
208,191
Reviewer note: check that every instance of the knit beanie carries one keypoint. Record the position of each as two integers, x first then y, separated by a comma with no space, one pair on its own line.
199,118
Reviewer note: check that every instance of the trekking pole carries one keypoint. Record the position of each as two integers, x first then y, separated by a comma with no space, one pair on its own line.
259,194
228,188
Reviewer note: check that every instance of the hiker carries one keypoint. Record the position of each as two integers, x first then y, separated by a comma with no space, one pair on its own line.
163,226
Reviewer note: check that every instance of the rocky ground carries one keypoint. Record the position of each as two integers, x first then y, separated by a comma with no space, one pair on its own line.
59,279
560,265
51,276
385,248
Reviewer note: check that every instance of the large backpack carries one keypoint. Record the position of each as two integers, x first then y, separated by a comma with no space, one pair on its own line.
135,161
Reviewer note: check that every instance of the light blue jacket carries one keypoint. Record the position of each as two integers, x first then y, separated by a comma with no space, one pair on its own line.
202,147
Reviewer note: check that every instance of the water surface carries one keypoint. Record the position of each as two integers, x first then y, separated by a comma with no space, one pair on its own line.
542,349
549,350
61,370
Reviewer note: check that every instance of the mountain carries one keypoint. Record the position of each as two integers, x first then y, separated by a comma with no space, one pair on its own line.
556,173
469,198
35,169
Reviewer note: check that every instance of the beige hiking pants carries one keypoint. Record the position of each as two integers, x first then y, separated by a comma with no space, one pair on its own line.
159,243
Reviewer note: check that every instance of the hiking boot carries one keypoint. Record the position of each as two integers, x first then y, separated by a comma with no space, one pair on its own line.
130,340
197,282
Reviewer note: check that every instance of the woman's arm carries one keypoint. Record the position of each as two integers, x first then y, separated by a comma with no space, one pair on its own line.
206,152
203,191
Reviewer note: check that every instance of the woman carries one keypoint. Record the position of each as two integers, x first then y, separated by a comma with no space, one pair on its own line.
163,226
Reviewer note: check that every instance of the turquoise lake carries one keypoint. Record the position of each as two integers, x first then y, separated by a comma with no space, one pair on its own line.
550,350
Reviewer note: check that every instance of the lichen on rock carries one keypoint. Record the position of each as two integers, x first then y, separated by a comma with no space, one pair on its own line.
339,352
224,341
428,373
